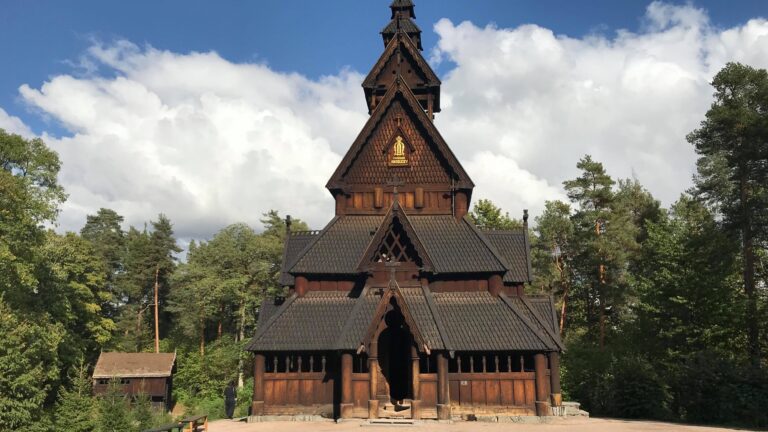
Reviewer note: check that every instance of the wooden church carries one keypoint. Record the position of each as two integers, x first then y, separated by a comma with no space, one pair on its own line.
401,307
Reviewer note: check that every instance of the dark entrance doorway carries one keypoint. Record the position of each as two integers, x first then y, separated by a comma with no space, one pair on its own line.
394,345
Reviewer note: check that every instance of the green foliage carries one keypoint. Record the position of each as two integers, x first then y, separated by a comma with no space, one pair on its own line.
486,215
114,414
732,172
142,412
75,408
28,367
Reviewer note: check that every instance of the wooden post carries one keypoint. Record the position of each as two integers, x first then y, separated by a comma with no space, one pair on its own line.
373,378
416,385
554,379
542,393
157,313
443,401
495,283
300,286
257,404
346,385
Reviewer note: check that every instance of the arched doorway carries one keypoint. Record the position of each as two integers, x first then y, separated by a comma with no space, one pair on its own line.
394,344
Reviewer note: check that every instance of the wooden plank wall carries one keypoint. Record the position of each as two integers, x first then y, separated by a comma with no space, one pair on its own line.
503,389
297,389
149,386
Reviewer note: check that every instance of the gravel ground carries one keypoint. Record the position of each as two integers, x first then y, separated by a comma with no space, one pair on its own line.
566,425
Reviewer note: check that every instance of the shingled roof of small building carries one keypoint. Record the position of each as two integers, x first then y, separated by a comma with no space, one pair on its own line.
134,365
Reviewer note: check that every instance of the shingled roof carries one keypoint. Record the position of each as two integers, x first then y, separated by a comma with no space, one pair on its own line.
513,246
339,248
399,92
134,365
456,321
295,242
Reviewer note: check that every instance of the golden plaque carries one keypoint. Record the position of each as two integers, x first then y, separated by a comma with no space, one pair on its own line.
398,153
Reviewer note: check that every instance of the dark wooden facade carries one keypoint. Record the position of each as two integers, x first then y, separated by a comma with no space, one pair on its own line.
400,306
149,374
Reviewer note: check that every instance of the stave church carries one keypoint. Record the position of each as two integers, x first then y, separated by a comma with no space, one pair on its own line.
401,307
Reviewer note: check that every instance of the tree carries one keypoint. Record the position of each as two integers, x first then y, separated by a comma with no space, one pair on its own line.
114,413
28,367
29,198
606,236
486,215
732,171
553,252
105,233
75,408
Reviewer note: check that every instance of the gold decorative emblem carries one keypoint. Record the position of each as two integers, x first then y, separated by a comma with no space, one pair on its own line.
398,153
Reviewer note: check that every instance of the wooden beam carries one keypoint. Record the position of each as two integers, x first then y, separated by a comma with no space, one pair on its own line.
443,400
542,393
495,284
554,379
416,385
257,404
301,286
346,385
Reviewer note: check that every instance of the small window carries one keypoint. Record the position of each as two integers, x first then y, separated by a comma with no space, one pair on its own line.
125,381
102,381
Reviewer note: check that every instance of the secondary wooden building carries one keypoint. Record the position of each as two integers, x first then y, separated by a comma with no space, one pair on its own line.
401,306
136,373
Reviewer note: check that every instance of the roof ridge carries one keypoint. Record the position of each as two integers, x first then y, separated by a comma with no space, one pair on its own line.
437,318
411,47
540,320
352,315
487,243
525,320
309,245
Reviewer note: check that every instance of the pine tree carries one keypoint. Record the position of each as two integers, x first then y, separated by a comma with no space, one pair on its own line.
75,407
114,411
142,412
486,215
732,172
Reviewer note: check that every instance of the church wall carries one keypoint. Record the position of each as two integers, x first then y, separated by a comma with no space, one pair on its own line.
300,383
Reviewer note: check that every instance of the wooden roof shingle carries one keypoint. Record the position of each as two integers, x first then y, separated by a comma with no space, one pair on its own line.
134,365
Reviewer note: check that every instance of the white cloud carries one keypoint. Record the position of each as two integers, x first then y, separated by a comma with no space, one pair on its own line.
14,125
210,142
541,100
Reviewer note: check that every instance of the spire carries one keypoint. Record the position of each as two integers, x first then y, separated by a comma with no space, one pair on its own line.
405,7
402,20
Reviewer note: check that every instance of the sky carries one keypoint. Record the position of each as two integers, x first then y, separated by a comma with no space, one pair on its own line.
215,112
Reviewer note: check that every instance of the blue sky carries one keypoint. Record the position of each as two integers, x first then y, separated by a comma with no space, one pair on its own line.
39,39
216,112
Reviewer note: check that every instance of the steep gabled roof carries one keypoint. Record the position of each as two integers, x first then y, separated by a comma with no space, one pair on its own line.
393,293
400,90
401,40
395,212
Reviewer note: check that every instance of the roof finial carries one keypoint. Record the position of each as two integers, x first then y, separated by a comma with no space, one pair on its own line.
525,217
288,223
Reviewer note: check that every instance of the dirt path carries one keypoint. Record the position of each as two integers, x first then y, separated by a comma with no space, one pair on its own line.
568,425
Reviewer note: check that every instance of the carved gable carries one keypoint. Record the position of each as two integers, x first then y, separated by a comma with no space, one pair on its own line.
422,165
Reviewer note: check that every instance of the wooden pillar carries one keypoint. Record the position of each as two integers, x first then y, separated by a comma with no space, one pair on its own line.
461,204
542,393
257,404
554,379
495,284
443,401
416,385
373,378
346,385
300,286
341,203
